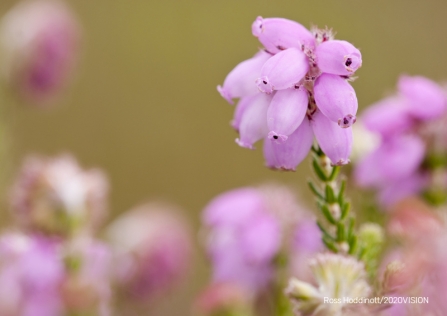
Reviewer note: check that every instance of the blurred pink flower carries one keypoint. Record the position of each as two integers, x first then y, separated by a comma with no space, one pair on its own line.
223,298
87,285
153,249
31,275
40,43
55,196
394,168
242,238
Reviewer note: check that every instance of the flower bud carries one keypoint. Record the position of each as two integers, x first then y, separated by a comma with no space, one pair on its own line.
283,71
289,154
338,58
336,99
278,34
286,112
240,82
253,120
335,142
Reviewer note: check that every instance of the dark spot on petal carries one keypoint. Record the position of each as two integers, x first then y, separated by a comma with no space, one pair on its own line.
275,137
348,62
280,47
263,81
345,121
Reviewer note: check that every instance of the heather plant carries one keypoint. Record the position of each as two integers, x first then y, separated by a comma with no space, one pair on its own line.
294,90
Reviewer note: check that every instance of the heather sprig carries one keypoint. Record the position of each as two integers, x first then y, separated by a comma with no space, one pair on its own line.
338,225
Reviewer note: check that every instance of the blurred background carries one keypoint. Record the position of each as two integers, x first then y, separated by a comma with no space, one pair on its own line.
144,105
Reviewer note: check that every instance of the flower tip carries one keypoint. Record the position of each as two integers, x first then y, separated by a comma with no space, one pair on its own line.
278,138
341,162
244,144
347,121
353,62
225,94
256,27
282,168
264,85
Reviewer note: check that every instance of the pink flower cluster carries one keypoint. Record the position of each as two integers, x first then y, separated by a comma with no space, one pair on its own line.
295,88
248,228
394,167
53,263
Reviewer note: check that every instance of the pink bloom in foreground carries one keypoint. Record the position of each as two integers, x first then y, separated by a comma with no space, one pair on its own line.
39,40
301,76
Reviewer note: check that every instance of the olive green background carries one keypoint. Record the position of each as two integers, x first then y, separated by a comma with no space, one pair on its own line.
144,105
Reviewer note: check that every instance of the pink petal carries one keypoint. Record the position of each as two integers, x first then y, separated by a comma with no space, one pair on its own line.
286,112
335,142
278,34
283,70
240,82
234,207
396,158
261,239
387,117
288,155
336,99
338,58
253,124
425,98
394,192
240,109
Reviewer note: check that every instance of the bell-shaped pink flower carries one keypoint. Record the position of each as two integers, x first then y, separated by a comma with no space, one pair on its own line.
338,57
277,34
336,99
286,112
283,70
335,142
425,99
253,121
240,82
387,117
240,109
396,158
288,155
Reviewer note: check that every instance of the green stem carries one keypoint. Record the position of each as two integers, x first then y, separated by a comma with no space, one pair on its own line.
337,225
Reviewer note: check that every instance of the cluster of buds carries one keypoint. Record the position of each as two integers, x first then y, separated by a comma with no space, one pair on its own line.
295,88
396,167
57,263
39,42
